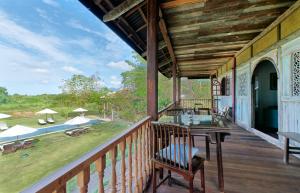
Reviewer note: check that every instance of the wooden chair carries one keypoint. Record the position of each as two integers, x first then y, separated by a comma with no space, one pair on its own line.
173,150
222,114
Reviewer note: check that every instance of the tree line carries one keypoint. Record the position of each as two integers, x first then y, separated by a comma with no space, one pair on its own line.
129,102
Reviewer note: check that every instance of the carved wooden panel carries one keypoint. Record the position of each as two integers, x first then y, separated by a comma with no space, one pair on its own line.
296,74
242,84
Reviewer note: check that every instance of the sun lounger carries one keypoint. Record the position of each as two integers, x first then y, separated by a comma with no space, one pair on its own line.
8,148
77,131
50,120
42,122
3,126
27,143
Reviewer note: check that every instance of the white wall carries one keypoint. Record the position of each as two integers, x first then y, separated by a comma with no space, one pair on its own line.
288,105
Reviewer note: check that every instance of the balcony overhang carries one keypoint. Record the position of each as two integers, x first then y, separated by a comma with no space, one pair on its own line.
198,36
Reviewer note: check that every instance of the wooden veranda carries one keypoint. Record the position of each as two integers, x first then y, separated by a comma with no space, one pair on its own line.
193,39
250,165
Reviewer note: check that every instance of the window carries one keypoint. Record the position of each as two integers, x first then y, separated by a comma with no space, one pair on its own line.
296,74
228,80
225,86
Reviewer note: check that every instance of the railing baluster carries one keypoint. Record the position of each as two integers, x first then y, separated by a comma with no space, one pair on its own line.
113,156
61,189
140,159
146,140
100,167
123,166
145,173
129,142
136,183
83,179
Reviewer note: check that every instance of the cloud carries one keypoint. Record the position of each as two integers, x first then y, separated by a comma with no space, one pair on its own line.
53,3
43,14
72,69
46,45
77,25
41,70
115,82
121,65
45,81
85,43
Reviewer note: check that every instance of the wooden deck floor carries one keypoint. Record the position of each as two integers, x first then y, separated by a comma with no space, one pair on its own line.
251,165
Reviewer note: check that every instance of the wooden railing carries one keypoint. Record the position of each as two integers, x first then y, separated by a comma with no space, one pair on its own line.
134,149
192,103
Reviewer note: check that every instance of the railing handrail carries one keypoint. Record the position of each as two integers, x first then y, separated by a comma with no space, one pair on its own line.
166,108
62,175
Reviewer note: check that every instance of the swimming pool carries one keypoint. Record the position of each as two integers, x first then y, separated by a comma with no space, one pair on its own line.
45,130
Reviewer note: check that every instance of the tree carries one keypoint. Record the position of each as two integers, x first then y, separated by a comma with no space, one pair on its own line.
83,88
3,95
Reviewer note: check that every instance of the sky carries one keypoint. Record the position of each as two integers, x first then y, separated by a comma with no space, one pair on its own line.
43,42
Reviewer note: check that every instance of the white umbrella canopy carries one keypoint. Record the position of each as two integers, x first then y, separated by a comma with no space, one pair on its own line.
4,116
46,111
77,121
17,130
80,110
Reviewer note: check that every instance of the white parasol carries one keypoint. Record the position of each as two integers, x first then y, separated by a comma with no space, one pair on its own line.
17,130
4,116
79,120
46,111
80,110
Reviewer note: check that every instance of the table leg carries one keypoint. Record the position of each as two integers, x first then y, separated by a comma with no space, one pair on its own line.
219,162
286,150
207,148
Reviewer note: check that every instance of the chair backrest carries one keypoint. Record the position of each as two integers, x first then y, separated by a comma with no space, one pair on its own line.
172,145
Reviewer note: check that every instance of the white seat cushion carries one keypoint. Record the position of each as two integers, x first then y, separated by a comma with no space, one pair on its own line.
165,153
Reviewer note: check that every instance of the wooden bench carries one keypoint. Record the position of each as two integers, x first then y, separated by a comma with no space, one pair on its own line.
287,148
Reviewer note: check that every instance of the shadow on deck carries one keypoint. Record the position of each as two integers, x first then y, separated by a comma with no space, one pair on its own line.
251,165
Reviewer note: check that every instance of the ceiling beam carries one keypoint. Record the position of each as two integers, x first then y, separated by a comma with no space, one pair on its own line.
176,3
164,31
119,10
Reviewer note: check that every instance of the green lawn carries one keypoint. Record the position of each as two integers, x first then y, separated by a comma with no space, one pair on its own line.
25,167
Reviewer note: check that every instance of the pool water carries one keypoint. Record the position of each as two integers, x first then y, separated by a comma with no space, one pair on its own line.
45,130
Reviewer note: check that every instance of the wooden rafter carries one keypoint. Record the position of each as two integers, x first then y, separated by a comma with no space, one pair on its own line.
164,31
176,3
119,10
132,32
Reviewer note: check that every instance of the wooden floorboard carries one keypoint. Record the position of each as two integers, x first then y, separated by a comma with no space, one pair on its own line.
251,165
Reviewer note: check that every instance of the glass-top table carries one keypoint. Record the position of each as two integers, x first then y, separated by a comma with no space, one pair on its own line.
198,123
201,125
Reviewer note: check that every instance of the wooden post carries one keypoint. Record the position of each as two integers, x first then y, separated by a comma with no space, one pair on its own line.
233,89
152,70
174,83
212,93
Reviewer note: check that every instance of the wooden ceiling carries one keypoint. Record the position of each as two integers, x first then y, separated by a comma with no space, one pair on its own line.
198,35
